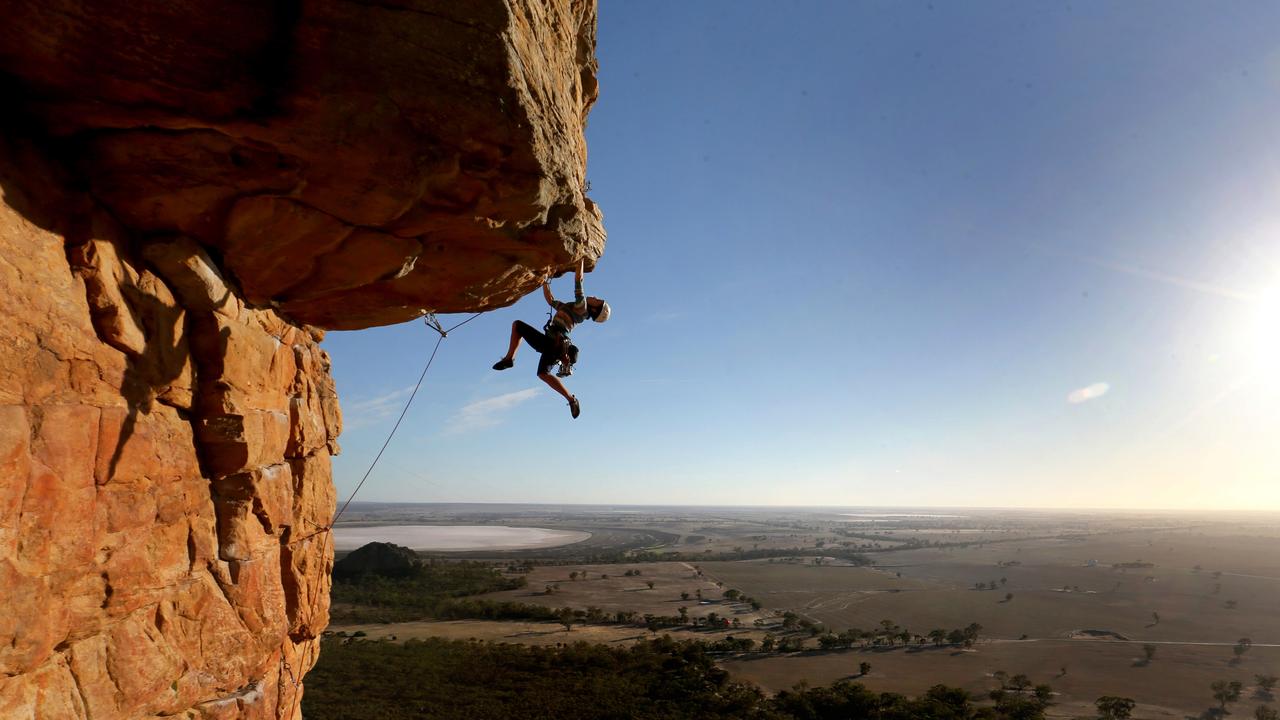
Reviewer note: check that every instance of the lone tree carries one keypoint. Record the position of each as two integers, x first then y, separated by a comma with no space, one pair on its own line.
864,667
971,634
1226,692
565,617
1008,597
649,583
1242,646
1002,677
1148,652
1111,707
1155,618
1020,682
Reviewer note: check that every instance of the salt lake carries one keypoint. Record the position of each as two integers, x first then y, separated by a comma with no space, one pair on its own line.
456,537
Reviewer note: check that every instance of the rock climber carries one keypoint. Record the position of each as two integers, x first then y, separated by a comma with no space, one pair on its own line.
553,342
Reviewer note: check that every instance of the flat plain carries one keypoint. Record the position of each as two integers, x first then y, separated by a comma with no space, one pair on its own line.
1068,599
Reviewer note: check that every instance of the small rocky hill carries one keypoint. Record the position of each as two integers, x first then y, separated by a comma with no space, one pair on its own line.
377,558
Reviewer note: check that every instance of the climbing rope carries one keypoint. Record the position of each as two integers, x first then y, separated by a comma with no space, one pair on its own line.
432,322
280,677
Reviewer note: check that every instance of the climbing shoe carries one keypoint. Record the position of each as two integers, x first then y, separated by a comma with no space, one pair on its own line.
503,364
574,407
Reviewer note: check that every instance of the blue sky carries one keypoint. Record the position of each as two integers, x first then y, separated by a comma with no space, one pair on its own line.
863,254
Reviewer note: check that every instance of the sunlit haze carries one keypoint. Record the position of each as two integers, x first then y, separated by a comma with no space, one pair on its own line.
888,254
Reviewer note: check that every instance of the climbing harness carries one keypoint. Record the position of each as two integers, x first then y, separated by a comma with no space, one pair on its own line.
567,351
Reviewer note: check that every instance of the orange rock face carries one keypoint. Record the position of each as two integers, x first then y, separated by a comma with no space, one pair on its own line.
190,191
352,163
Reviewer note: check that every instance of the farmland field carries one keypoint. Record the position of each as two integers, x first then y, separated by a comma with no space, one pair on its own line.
1073,600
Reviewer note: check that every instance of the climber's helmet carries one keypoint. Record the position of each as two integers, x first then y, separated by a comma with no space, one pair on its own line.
597,309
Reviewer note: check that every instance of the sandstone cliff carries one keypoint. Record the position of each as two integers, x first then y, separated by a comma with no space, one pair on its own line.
192,191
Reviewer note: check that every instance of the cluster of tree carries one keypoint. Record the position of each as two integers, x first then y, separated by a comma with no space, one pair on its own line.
710,620
785,644
911,543
429,590
1018,693
1111,707
1226,691
890,634
846,554
730,644
991,585
648,681
444,609
738,596
793,621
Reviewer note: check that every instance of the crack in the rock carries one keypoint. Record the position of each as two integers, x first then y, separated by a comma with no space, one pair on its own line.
230,603
84,700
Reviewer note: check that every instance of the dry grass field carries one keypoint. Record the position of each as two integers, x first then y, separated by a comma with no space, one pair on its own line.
618,592
1054,590
1174,685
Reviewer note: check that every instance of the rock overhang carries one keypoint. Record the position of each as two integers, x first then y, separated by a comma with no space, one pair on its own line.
346,163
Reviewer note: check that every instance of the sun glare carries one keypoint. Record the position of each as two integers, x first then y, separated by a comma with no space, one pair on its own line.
1265,338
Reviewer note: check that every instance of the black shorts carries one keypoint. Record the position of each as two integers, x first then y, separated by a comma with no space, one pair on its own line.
551,348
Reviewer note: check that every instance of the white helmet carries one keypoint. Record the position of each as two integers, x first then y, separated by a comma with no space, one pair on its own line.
604,312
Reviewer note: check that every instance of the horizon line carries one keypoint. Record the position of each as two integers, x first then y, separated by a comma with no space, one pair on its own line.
828,507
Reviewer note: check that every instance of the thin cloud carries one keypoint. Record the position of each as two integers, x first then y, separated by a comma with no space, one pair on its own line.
488,412
362,413
1166,278
1147,273
1085,394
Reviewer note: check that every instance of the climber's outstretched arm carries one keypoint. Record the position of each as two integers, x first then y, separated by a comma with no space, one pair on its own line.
546,293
